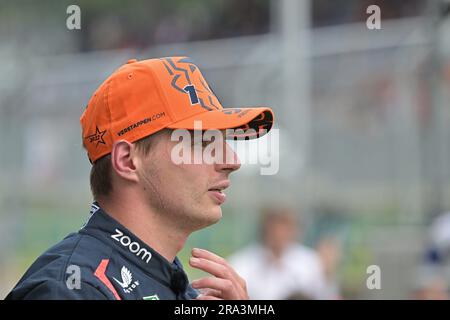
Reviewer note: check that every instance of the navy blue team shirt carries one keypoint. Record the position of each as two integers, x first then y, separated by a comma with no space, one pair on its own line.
103,260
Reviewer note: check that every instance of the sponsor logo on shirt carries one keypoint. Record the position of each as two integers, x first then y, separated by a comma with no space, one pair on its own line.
127,283
134,247
152,297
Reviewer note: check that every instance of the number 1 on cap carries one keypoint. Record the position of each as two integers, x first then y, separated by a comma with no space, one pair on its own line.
192,93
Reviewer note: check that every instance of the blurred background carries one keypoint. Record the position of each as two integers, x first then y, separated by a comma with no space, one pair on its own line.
363,117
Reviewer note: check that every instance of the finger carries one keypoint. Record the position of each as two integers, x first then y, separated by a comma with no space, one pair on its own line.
222,285
202,297
211,267
219,270
211,292
205,254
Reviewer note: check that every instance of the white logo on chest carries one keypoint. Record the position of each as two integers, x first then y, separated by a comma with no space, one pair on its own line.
134,247
127,283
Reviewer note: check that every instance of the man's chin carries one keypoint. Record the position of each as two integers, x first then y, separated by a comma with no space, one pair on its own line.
216,214
211,216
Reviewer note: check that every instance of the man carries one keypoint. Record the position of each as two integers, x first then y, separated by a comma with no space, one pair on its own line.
280,268
147,203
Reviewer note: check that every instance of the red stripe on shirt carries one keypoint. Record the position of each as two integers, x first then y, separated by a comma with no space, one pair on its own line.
100,274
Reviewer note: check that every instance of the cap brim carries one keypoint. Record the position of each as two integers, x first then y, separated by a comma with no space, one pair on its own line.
253,122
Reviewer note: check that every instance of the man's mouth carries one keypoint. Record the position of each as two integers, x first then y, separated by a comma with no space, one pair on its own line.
216,192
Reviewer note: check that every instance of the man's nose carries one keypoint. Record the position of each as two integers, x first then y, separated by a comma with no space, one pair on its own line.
231,161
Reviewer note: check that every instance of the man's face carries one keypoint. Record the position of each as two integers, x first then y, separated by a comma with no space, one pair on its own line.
187,194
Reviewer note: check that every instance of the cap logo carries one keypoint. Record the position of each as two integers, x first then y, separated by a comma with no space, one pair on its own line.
97,137
192,93
184,69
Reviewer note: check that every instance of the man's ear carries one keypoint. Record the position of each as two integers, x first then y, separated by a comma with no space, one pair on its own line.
123,160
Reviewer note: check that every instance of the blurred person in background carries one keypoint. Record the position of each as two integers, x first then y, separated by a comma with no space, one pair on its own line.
431,281
330,253
438,247
278,267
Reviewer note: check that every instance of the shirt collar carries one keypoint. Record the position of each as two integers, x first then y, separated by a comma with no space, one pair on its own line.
105,228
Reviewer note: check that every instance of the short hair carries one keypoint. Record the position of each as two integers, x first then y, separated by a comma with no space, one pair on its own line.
101,171
276,214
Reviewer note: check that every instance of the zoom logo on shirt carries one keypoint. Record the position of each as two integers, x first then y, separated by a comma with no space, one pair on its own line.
134,247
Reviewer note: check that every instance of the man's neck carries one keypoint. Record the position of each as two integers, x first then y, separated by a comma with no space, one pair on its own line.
150,227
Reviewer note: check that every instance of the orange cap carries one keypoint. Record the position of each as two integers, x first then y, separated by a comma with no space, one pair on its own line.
143,97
